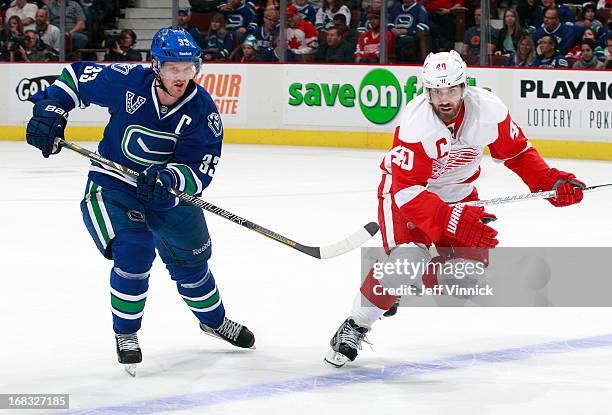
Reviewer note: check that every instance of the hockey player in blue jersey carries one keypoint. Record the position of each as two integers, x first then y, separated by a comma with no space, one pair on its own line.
168,129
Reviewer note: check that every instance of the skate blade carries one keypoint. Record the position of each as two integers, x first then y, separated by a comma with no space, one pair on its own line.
130,369
335,359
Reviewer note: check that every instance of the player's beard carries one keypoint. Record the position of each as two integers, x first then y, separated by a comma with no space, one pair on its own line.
447,111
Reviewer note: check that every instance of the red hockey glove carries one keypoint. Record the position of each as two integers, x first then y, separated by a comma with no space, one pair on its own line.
567,187
466,225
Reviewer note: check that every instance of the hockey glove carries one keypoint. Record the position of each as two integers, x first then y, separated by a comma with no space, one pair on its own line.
152,187
567,187
47,124
466,225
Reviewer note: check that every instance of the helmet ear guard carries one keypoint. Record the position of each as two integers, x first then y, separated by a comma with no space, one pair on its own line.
443,70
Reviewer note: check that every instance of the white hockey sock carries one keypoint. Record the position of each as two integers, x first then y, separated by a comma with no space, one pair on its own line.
364,313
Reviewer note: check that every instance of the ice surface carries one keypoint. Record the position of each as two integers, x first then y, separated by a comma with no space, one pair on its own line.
56,321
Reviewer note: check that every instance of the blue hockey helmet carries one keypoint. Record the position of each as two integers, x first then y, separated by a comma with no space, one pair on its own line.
174,45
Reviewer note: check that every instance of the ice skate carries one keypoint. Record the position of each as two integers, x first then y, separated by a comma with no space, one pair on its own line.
345,343
233,333
128,352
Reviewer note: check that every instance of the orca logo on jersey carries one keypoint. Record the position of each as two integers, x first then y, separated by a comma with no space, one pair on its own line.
123,68
145,146
130,106
214,123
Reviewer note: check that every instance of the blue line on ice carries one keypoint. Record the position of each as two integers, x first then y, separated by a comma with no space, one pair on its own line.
345,377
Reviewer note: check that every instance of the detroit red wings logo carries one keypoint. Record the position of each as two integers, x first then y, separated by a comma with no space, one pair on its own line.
457,158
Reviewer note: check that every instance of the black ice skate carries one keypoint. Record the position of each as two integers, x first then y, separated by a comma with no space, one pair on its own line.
232,332
345,343
128,351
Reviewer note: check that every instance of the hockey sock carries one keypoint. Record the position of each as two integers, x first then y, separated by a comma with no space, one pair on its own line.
372,290
199,291
128,296
364,313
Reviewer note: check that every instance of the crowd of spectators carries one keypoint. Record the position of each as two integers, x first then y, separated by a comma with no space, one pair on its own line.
30,30
536,33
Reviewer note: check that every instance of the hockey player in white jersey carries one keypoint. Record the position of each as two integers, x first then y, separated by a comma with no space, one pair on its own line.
435,159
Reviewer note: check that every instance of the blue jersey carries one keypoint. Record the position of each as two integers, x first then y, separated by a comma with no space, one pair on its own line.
219,47
243,16
557,61
185,137
307,12
566,35
412,18
266,42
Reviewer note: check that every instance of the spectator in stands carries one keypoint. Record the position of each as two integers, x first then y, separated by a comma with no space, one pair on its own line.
525,52
306,10
576,51
12,28
75,21
549,56
471,43
218,42
528,11
335,48
608,51
50,35
240,19
587,17
363,20
442,22
184,19
325,15
301,36
267,35
12,37
588,58
509,35
119,48
565,34
408,22
34,50
25,11
368,45
249,53
347,33
565,14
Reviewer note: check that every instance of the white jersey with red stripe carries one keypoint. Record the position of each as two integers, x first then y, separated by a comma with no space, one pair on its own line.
433,163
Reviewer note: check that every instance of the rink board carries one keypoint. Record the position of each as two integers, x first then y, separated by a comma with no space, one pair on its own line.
564,113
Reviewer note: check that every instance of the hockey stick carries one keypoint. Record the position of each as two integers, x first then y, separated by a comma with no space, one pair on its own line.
322,252
528,196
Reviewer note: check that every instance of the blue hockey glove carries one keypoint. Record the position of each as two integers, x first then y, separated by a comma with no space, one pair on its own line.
47,124
152,187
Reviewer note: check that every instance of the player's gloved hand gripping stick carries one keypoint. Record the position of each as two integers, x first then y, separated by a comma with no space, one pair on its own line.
341,247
